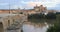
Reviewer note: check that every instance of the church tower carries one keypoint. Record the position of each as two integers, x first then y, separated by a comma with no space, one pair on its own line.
42,8
36,8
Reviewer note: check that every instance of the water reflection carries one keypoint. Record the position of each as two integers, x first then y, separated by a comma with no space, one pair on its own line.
35,27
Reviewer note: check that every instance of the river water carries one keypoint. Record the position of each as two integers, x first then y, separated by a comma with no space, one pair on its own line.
38,26
35,27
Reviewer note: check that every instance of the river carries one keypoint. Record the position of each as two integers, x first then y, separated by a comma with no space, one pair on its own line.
35,27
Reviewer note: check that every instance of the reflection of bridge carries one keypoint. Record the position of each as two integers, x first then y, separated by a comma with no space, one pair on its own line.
12,21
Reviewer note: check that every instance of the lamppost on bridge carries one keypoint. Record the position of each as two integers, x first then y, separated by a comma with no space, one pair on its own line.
9,7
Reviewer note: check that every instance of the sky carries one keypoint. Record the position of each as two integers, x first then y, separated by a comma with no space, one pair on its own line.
29,4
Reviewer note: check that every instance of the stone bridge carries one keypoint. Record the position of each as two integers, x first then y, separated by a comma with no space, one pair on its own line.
13,22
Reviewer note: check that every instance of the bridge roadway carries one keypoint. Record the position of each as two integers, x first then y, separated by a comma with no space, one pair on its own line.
12,22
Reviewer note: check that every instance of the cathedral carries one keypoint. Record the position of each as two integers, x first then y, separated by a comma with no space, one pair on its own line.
40,8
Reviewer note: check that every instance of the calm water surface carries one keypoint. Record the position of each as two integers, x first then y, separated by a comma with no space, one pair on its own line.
35,28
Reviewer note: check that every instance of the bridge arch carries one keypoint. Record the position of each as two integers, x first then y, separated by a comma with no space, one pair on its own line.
1,27
9,20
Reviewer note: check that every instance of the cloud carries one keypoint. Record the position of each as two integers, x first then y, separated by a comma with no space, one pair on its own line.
3,4
30,3
48,3
16,7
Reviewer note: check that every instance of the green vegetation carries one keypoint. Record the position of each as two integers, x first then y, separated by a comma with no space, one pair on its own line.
35,16
56,26
40,18
51,16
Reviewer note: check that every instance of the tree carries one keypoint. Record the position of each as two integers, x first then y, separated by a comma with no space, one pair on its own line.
56,26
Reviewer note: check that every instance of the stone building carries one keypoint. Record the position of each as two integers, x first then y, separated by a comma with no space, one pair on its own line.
40,8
